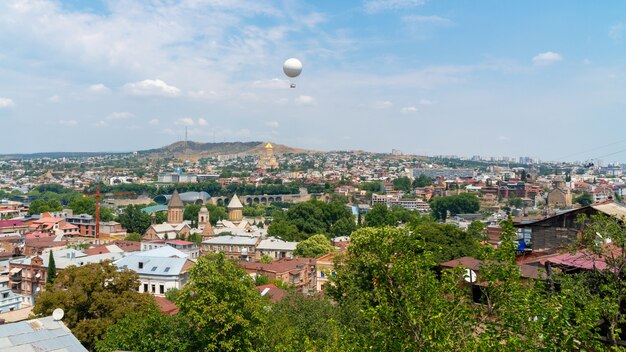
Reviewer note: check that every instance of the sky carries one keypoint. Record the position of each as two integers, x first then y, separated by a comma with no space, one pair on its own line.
545,79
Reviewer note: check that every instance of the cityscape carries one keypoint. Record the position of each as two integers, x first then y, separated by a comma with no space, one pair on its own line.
367,175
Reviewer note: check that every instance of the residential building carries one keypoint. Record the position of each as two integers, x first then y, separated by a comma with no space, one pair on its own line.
297,272
275,248
41,334
9,300
191,249
234,247
159,270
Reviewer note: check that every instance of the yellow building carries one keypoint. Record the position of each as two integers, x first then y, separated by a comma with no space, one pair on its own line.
268,160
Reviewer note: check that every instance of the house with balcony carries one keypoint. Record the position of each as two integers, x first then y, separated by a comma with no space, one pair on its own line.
297,272
275,248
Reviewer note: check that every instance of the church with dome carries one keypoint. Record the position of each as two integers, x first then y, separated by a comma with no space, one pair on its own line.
268,161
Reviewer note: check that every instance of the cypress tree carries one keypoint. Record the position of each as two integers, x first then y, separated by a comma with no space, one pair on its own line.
52,269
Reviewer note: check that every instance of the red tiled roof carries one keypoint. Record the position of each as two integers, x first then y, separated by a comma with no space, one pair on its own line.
179,242
275,293
278,266
166,306
11,223
464,262
34,235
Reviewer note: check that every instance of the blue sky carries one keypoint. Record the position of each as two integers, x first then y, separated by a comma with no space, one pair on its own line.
499,78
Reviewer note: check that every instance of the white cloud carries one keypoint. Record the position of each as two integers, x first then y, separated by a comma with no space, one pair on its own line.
185,121
100,124
274,83
381,104
408,110
616,32
434,20
547,58
305,100
68,122
98,88
152,87
374,6
120,115
425,102
153,122
188,121
272,124
54,99
6,103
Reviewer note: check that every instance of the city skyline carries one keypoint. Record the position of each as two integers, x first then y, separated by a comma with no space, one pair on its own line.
424,77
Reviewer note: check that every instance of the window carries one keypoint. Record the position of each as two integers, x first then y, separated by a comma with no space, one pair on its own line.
145,287
161,289
153,288
140,265
153,268
167,270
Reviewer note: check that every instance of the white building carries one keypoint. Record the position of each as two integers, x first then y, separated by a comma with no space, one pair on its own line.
159,270
275,248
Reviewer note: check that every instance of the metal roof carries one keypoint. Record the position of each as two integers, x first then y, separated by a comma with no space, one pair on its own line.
234,240
43,334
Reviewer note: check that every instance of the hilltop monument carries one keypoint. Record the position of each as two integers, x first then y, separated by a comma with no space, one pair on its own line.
268,160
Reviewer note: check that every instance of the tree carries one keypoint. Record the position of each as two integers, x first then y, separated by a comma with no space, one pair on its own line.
379,215
584,199
191,213
283,230
402,184
52,270
134,220
133,236
464,203
515,202
83,205
422,181
476,230
383,275
223,310
39,206
343,227
265,259
302,323
146,331
313,247
94,297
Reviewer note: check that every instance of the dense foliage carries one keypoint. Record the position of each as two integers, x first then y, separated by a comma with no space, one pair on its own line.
94,297
313,247
305,219
464,203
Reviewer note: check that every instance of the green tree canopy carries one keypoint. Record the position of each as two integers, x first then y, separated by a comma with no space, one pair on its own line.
223,309
313,247
402,184
134,220
422,181
305,219
584,199
93,297
133,236
464,203
146,331
39,206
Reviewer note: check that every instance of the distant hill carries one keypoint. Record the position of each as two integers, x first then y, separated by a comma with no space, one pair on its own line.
195,150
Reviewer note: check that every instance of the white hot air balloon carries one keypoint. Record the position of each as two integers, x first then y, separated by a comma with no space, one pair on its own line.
292,68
